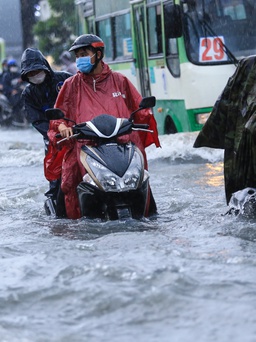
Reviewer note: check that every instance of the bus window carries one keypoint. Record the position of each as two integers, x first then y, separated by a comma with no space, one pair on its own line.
116,33
90,25
154,30
123,36
103,28
235,12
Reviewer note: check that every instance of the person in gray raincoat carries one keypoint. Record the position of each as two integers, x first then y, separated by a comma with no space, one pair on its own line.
67,63
232,127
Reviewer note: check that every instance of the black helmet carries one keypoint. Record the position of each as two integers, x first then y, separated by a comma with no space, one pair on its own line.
4,61
88,40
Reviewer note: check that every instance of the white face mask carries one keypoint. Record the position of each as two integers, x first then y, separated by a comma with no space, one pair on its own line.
14,69
38,78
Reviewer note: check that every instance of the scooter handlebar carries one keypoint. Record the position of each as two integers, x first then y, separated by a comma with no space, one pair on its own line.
140,126
65,139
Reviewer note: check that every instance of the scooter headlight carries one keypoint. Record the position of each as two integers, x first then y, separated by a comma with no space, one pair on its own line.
131,179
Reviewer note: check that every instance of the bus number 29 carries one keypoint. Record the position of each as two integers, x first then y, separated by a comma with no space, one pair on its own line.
211,49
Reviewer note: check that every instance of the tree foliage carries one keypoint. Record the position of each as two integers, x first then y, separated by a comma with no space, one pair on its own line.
58,32
28,20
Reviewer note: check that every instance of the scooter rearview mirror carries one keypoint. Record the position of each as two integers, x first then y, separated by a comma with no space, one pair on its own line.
148,102
54,114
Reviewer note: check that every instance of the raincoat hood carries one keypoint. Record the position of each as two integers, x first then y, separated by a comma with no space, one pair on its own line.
33,59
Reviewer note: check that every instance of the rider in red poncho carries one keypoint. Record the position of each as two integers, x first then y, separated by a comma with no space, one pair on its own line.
94,90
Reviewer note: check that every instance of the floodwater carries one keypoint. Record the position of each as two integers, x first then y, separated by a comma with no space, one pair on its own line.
187,275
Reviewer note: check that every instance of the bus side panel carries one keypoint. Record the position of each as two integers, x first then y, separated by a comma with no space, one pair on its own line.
127,69
174,110
168,93
202,85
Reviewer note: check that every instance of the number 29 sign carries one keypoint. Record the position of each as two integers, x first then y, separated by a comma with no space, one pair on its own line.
212,50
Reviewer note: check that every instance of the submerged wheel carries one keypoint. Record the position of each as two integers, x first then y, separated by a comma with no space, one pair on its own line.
169,126
124,213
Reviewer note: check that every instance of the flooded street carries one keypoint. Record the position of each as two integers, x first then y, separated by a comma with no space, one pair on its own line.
186,275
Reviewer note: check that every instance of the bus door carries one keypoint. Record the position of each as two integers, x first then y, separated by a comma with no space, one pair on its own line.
139,48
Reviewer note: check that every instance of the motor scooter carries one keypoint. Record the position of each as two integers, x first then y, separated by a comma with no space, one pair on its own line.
115,183
5,111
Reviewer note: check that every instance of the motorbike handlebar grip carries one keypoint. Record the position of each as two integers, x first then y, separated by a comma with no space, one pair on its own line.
58,135
140,126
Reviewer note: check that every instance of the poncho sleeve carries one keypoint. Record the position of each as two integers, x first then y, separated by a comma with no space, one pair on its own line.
220,130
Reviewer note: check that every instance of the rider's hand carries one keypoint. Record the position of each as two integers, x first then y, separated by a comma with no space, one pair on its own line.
123,139
65,131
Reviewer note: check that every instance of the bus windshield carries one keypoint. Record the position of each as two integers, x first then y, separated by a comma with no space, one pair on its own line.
219,31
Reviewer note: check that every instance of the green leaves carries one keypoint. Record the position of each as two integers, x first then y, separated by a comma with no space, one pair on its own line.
57,33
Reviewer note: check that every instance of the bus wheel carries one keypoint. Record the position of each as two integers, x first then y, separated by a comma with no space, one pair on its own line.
169,126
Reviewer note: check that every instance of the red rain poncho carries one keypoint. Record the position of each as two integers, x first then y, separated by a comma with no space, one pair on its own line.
82,97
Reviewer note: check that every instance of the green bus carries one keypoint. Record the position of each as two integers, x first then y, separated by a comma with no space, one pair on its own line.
180,51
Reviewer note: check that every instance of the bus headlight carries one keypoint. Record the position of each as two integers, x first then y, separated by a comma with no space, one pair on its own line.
201,118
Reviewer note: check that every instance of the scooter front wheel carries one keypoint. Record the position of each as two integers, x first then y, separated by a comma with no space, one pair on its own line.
123,213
